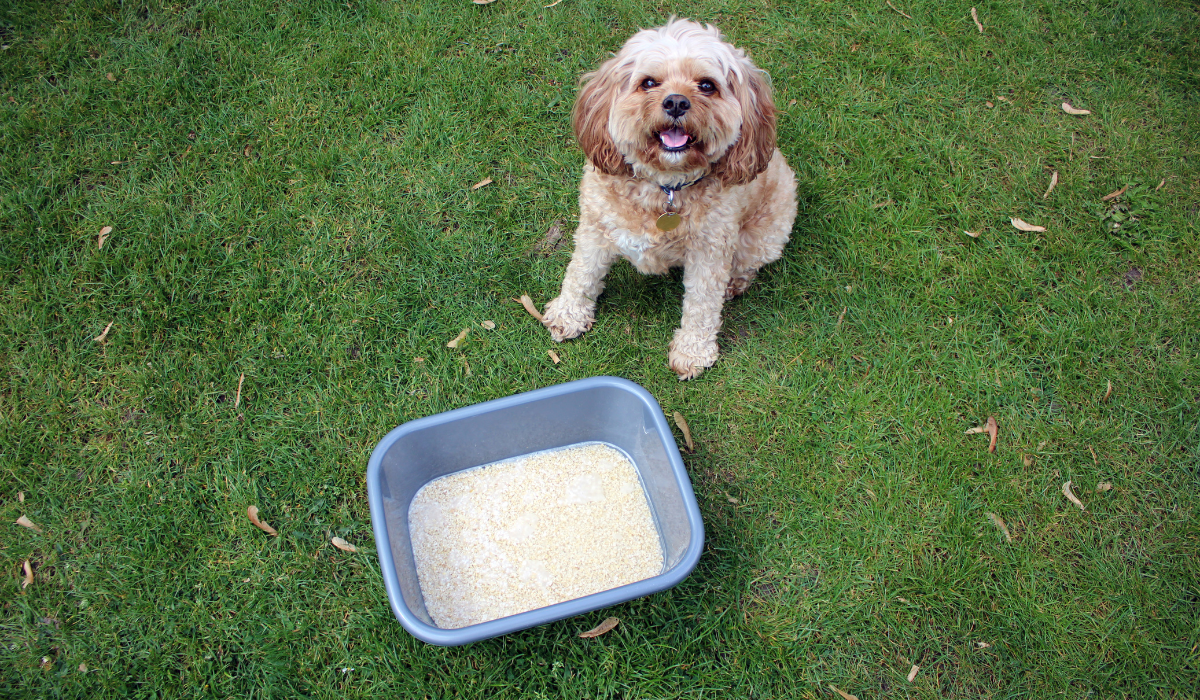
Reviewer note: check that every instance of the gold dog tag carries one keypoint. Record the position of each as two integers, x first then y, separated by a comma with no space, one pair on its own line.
668,221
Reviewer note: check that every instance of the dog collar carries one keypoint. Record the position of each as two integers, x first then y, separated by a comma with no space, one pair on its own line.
670,218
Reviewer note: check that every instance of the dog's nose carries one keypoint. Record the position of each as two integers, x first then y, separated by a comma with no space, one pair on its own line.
676,105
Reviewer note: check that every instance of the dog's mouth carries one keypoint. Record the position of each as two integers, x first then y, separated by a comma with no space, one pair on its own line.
674,139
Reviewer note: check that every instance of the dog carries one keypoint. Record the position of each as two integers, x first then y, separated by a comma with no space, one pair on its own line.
682,170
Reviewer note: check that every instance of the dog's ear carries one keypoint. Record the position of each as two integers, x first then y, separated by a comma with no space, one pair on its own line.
590,120
751,153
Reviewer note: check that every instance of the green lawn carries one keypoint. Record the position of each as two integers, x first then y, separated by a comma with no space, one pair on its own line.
289,190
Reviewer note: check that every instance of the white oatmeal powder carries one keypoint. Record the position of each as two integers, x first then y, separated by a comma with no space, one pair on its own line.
530,532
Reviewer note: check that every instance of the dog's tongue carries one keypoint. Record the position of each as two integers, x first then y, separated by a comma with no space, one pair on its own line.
674,138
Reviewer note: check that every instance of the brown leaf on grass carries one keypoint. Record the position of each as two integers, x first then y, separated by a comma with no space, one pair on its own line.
28,571
528,304
100,338
1066,489
111,78
1113,195
1101,488
487,180
982,645
103,236
1160,184
20,496
1066,107
731,499
975,16
488,325
553,356
343,545
26,522
841,316
687,433
457,339
912,672
1094,460
1001,524
252,512
237,401
1107,393
552,240
1027,460
844,694
972,234
993,430
889,2
551,4
1053,182
247,150
600,628
988,104
83,668
881,205
1021,225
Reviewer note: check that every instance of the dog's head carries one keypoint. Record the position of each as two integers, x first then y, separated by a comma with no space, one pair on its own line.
677,103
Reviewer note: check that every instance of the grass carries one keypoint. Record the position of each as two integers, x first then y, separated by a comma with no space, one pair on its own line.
289,190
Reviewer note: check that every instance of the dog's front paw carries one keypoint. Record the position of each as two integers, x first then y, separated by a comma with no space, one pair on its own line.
566,320
690,356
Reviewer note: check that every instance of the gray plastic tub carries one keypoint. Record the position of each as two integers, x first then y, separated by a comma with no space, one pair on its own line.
605,409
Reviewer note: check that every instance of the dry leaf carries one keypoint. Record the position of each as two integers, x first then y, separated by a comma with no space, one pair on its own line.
975,16
1027,460
20,496
884,203
1066,489
687,433
912,673
26,522
246,151
993,430
553,356
988,104
1053,182
1001,524
889,2
844,694
111,78
872,495
1113,195
1094,460
483,2
1107,393
902,600
488,325
600,628
731,499
1160,184
528,304
252,511
1024,226
457,339
418,359
487,180
1066,107
100,338
841,316
83,668
343,545
1101,488
28,570
103,236
1002,98
791,102
972,234
237,401
551,4
982,645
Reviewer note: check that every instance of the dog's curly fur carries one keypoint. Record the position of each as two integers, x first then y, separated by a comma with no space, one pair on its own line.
738,199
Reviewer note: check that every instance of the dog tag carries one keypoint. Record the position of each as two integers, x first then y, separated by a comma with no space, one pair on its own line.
668,221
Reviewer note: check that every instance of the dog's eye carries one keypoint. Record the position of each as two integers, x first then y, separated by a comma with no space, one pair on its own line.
649,83
707,86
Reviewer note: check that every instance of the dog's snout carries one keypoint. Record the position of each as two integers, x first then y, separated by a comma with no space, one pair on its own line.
676,105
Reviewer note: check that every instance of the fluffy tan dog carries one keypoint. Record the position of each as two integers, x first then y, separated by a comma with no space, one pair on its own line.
679,122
